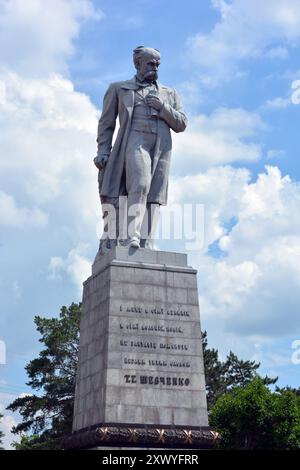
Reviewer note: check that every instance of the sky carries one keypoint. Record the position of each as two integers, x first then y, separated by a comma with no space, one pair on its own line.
236,66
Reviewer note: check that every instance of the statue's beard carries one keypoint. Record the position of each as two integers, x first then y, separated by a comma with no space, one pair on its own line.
151,76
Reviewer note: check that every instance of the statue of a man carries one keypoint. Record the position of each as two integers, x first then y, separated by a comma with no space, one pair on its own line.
137,166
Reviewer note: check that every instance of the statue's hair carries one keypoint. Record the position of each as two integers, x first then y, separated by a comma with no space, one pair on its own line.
139,51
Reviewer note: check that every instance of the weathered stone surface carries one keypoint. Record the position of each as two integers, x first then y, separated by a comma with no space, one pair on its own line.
140,358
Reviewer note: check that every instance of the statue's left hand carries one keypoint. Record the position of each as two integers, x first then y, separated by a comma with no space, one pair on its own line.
154,101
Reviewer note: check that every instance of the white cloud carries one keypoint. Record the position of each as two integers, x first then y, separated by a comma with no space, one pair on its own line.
47,139
55,268
220,205
75,265
25,394
280,357
2,352
19,217
247,29
295,98
281,102
50,103
47,129
36,37
17,290
254,288
6,424
276,153
8,420
133,22
277,53
191,94
249,288
230,285
277,103
224,136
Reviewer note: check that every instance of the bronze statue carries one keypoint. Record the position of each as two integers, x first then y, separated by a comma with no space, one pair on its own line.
136,168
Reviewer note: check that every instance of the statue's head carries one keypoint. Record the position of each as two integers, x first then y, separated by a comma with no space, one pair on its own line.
146,61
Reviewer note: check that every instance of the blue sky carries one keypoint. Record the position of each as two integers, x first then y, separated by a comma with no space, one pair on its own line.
235,64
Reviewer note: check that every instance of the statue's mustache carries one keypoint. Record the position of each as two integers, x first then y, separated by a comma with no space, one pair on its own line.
151,73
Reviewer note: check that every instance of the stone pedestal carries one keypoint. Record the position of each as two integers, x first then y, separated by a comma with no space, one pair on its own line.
140,374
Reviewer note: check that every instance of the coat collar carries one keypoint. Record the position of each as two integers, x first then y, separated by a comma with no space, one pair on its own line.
132,85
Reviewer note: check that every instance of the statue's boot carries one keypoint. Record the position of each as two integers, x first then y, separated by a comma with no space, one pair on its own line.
136,206
149,225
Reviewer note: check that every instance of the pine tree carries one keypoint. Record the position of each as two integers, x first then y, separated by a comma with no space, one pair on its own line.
48,414
214,372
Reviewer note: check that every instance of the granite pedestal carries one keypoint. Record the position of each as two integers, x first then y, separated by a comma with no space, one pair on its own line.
140,377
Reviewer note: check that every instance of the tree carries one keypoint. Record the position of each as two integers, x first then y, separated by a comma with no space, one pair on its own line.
1,434
222,376
34,442
214,372
48,415
254,417
296,391
239,373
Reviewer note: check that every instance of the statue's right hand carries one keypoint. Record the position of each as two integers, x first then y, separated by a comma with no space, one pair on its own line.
100,161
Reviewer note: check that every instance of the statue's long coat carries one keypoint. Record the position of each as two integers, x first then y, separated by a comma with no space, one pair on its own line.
119,100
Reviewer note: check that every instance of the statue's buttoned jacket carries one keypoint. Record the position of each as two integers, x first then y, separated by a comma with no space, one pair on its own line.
119,101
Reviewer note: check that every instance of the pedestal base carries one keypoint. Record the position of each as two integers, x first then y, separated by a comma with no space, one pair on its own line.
140,358
141,437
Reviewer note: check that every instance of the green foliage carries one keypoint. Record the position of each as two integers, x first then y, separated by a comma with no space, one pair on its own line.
48,415
35,442
239,373
254,417
214,372
222,376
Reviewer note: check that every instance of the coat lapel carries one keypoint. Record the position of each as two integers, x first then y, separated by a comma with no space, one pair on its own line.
130,86
128,89
128,99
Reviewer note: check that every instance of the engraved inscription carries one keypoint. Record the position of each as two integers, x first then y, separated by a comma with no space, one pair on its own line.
156,380
134,362
152,345
153,342
174,347
170,313
156,363
179,364
151,328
